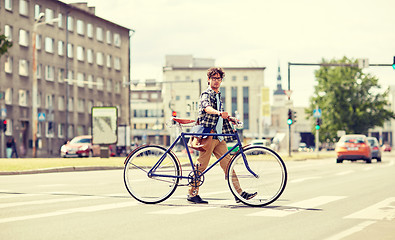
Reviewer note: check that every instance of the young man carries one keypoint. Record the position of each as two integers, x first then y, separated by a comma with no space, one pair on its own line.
213,116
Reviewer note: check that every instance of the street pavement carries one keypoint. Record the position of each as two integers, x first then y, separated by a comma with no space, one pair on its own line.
322,200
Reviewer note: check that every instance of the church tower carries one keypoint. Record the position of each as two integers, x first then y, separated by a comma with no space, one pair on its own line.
279,96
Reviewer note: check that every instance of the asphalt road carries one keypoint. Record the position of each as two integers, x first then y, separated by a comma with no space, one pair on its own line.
323,200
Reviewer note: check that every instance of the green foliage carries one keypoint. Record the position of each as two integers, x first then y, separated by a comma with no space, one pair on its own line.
4,44
350,100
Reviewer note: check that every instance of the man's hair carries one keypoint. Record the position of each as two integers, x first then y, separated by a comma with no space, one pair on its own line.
214,70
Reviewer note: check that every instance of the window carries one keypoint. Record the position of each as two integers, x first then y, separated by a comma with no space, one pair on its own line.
89,55
23,38
70,77
99,34
89,30
8,132
234,78
90,81
61,75
60,21
117,87
49,16
234,99
70,130
108,37
71,104
61,103
37,11
39,99
49,101
80,79
70,23
81,105
22,98
246,112
109,61
39,71
109,85
23,67
49,45
60,48
23,7
49,73
8,32
245,78
8,4
117,40
8,64
70,50
60,130
80,27
99,58
100,83
80,53
38,41
117,63
49,129
8,96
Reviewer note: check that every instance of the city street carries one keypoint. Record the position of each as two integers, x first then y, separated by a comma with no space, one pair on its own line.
322,200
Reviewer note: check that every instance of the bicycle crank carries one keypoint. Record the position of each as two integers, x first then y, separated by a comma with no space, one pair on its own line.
195,178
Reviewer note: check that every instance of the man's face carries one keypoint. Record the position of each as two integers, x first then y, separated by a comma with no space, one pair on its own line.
215,82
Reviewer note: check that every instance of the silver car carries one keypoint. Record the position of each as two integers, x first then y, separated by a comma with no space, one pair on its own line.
375,147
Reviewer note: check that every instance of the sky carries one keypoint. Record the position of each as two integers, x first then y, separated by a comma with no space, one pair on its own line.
258,33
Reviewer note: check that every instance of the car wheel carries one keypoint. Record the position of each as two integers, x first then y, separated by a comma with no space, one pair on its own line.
369,160
339,161
379,159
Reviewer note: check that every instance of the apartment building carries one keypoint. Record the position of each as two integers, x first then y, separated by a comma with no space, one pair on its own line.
82,61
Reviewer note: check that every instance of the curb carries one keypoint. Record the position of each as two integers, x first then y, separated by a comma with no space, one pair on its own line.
62,169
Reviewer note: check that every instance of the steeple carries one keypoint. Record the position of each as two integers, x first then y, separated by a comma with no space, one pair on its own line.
279,90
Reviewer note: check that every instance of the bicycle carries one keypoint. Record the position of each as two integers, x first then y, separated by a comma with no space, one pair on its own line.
152,172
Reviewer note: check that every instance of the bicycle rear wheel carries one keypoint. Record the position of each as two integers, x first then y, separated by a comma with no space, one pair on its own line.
269,182
146,188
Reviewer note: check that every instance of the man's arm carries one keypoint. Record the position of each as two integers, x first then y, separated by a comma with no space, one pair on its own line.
211,110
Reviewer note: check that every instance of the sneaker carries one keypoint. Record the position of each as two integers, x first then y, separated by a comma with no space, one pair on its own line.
197,200
246,196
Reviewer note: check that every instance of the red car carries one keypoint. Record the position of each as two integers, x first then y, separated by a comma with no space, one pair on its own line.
386,148
80,146
353,147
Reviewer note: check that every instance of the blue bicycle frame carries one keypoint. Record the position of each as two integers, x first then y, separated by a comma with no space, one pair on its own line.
182,136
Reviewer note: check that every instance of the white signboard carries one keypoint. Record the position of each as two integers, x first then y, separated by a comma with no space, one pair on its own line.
104,125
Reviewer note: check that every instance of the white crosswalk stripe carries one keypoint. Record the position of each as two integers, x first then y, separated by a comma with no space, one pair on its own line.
384,210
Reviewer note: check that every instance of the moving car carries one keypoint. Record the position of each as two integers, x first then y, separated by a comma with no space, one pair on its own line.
80,146
353,147
375,148
386,148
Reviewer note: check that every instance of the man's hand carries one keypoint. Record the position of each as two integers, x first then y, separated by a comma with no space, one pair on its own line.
224,115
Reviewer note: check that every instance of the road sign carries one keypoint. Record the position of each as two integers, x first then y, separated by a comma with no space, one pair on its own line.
41,117
3,113
317,113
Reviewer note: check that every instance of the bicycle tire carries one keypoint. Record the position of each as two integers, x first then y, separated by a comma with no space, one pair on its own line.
148,189
270,182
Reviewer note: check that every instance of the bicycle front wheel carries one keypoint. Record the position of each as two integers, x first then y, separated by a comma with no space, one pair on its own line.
151,186
263,173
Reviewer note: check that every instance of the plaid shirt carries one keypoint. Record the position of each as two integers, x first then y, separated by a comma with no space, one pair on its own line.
208,98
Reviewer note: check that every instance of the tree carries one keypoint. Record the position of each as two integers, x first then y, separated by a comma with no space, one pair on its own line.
350,100
4,44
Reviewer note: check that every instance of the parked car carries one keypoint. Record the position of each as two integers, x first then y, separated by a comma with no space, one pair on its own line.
375,148
386,148
80,146
353,147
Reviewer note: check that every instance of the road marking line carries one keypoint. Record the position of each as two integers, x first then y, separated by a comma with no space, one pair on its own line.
181,210
298,206
303,179
344,173
380,211
47,201
350,231
71,210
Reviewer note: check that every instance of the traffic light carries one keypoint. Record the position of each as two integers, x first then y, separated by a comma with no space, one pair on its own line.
393,63
4,125
289,121
174,114
293,117
318,122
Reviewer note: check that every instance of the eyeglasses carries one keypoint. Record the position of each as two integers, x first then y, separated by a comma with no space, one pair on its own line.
218,79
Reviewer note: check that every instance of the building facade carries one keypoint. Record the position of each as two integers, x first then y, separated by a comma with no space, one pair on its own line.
81,61
185,78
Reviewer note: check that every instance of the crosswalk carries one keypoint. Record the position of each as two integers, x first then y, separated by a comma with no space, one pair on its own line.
383,210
